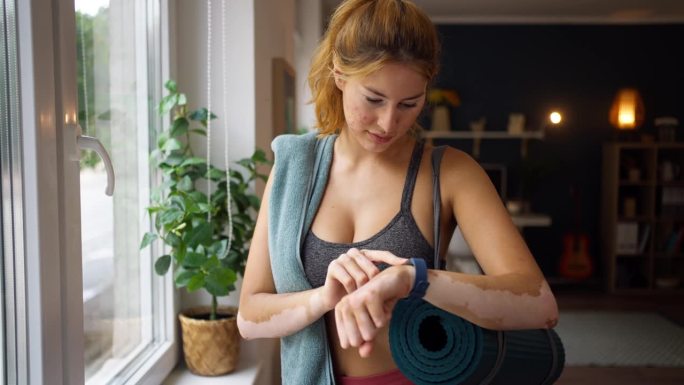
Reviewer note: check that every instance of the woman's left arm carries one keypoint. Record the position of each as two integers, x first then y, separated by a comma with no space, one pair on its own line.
512,294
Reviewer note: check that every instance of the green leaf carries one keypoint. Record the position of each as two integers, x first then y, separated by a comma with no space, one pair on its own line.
194,259
259,156
171,86
220,248
172,240
183,277
169,216
179,254
199,131
215,174
182,99
185,184
179,127
192,161
171,145
147,239
162,264
196,282
167,103
219,280
177,202
161,139
174,159
200,115
198,235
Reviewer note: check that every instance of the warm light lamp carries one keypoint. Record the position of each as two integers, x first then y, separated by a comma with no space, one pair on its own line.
627,111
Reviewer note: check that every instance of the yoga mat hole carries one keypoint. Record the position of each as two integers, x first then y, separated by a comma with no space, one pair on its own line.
432,334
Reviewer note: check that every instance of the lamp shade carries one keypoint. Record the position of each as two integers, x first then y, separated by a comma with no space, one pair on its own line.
627,111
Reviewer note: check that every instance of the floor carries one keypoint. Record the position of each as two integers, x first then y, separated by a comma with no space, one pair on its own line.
669,306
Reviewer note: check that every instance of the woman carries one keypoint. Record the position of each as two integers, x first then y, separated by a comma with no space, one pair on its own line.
360,196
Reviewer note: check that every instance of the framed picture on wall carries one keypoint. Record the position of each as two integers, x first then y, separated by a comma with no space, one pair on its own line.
283,80
497,173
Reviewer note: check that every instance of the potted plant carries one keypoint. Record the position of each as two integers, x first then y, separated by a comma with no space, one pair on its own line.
194,229
440,100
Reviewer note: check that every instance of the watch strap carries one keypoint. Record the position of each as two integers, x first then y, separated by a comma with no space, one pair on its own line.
420,283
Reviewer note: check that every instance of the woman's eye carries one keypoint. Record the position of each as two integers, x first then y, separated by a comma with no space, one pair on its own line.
409,105
373,101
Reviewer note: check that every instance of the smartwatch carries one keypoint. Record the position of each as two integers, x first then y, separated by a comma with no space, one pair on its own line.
420,284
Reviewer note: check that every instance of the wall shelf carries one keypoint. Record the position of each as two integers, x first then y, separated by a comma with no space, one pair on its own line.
482,135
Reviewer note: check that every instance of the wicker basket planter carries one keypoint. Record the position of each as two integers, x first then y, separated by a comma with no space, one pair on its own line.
211,348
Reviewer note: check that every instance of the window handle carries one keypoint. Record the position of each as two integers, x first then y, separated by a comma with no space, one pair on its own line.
83,142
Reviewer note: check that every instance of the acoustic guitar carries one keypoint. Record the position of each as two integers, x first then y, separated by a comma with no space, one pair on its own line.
575,262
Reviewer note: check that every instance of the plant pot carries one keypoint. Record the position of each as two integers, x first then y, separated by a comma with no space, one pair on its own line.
441,121
211,348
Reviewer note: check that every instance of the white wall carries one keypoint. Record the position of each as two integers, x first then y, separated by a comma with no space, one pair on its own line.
274,37
257,31
308,31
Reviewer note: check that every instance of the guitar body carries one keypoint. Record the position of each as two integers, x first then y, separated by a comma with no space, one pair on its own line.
575,262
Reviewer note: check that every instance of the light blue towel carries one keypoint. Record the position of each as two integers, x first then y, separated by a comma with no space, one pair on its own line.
302,165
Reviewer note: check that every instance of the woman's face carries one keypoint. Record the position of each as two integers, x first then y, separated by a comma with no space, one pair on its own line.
382,107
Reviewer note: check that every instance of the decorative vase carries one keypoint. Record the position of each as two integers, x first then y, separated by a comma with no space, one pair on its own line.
441,121
211,347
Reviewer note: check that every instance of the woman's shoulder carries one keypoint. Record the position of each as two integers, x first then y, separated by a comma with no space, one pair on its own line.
454,160
458,168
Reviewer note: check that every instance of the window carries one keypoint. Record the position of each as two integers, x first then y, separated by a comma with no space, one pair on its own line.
84,274
11,220
117,51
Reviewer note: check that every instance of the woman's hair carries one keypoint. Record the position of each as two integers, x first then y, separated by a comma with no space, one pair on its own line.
362,36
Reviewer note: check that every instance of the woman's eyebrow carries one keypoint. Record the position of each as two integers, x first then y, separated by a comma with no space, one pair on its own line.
383,95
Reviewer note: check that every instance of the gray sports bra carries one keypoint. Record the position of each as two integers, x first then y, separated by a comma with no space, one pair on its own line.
401,236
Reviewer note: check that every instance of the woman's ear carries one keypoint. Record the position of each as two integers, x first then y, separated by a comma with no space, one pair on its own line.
339,79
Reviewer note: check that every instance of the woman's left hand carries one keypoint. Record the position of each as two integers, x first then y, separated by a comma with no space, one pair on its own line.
360,315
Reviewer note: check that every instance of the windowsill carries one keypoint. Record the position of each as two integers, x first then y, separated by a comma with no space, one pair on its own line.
258,364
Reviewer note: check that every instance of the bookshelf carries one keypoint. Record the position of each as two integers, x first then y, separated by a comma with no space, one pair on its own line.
643,216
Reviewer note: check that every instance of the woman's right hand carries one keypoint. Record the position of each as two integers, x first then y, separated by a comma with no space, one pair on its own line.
350,271
347,273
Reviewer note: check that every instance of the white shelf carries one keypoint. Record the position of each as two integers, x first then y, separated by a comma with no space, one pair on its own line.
481,135
257,365
531,220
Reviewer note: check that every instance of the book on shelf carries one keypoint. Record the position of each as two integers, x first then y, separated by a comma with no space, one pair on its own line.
627,237
645,233
673,242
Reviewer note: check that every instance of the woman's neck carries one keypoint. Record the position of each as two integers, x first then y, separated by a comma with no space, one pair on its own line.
348,148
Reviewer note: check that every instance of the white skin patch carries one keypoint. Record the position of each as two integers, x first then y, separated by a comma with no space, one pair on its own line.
493,308
284,323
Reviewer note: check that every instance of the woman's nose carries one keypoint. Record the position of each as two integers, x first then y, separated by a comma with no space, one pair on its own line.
388,119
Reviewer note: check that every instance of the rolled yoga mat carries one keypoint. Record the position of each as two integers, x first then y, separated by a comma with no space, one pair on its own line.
431,346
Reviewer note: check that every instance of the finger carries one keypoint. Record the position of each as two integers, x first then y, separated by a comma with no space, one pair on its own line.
366,326
366,348
369,268
377,313
341,275
350,328
384,256
340,328
350,264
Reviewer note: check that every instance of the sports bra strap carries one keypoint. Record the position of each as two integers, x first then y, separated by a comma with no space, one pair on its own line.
437,154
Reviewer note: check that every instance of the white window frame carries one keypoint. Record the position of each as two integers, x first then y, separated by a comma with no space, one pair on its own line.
53,337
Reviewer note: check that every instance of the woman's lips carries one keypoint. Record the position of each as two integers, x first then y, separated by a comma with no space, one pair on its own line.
379,139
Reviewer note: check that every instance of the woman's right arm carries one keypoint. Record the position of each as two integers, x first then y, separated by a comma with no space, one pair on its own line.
265,314
262,313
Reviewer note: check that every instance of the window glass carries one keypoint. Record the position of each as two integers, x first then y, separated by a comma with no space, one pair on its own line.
115,106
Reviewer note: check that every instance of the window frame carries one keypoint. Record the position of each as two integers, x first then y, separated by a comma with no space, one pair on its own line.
50,285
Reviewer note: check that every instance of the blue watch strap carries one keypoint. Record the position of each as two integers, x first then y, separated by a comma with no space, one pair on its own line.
420,284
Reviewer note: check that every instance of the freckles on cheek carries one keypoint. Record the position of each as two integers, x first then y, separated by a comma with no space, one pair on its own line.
357,116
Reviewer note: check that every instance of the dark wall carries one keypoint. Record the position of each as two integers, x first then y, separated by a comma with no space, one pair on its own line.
499,69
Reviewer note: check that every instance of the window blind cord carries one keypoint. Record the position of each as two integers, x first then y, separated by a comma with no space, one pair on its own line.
226,158
209,111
